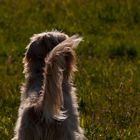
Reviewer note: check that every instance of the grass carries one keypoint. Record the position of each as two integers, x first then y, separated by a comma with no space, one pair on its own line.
108,79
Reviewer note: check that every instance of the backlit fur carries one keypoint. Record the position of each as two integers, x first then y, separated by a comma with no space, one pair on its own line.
48,109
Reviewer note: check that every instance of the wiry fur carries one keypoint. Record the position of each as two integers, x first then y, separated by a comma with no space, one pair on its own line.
48,109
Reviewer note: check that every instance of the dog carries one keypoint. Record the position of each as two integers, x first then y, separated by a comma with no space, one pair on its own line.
49,109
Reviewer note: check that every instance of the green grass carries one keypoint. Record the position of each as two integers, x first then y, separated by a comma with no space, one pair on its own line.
108,80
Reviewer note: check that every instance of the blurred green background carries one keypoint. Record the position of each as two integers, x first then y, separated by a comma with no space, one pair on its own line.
108,80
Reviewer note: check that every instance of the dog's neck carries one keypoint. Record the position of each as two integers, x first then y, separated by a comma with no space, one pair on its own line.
33,84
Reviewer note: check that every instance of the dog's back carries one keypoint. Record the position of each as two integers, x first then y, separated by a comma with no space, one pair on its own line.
48,109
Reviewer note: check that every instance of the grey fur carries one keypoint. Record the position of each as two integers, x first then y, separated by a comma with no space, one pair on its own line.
48,109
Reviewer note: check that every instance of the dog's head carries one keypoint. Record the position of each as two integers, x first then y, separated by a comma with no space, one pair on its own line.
40,45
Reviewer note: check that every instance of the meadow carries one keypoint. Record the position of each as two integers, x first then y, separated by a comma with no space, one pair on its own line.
108,77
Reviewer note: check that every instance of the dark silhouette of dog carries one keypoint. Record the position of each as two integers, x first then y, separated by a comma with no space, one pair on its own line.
48,109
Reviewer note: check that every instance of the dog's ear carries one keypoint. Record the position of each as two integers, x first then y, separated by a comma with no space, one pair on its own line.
67,48
38,48
32,51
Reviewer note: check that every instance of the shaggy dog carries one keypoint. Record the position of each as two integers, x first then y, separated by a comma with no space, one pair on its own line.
48,109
